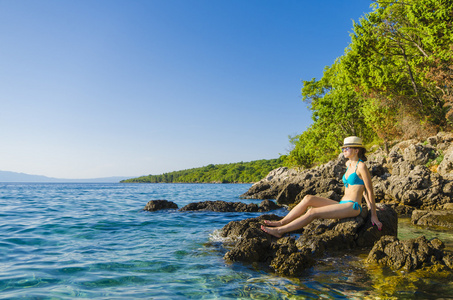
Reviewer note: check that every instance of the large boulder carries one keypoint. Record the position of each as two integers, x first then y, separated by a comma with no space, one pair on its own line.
348,233
409,254
289,256
443,218
446,166
416,186
269,187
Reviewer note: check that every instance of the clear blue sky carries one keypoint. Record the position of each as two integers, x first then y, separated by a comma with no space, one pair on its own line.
93,88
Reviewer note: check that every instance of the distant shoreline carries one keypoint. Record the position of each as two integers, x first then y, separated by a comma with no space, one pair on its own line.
10,177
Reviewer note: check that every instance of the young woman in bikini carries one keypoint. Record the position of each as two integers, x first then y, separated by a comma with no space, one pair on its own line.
357,182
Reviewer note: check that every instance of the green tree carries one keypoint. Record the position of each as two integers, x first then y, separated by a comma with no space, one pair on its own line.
243,172
337,113
391,53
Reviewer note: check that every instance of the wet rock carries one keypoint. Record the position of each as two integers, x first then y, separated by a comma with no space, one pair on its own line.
224,206
289,256
251,245
443,218
292,263
155,205
408,254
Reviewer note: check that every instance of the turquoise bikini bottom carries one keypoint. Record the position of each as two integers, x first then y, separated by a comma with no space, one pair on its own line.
356,205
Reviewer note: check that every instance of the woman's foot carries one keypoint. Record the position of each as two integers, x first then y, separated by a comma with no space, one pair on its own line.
272,231
273,223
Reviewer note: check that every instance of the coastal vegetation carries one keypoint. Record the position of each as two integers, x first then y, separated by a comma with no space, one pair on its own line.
393,82
242,172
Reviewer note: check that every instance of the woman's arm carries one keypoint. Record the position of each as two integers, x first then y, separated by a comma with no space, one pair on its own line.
369,194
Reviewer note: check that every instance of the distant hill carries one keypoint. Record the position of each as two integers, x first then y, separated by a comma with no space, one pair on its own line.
7,176
242,172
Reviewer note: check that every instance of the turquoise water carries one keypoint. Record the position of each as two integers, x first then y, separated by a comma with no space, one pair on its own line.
94,241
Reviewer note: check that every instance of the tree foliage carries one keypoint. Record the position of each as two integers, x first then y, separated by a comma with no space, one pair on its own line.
393,81
242,172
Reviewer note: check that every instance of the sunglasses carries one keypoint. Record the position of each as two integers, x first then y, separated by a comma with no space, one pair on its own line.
346,149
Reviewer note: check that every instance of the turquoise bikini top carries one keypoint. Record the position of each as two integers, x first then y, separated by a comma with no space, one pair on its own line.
353,179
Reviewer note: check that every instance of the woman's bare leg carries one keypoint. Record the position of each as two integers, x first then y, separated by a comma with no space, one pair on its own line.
301,208
335,211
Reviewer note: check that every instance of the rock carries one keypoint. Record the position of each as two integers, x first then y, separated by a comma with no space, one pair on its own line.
443,218
288,193
261,190
155,205
289,256
415,186
368,234
419,154
268,188
292,263
224,206
268,205
446,166
348,233
251,244
408,254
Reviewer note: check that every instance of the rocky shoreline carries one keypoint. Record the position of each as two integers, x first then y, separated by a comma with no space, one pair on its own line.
414,179
412,176
291,255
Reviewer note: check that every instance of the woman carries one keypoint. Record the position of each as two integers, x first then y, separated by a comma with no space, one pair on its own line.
357,182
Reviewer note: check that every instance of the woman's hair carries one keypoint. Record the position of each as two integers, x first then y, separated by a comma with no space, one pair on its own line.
361,154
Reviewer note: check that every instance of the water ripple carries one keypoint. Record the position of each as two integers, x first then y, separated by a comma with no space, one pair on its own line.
68,241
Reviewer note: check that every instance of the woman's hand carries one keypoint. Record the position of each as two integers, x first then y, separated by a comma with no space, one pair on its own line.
375,221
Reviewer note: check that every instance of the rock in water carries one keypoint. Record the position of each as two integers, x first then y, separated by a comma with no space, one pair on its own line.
224,206
155,205
443,218
290,257
410,254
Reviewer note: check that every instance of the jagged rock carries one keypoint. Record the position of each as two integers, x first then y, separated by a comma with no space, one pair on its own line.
289,193
289,256
223,206
408,254
415,186
155,205
292,263
348,233
268,187
443,218
403,210
446,166
419,154
268,205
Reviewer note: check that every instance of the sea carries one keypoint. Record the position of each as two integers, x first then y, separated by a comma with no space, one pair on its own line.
95,241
